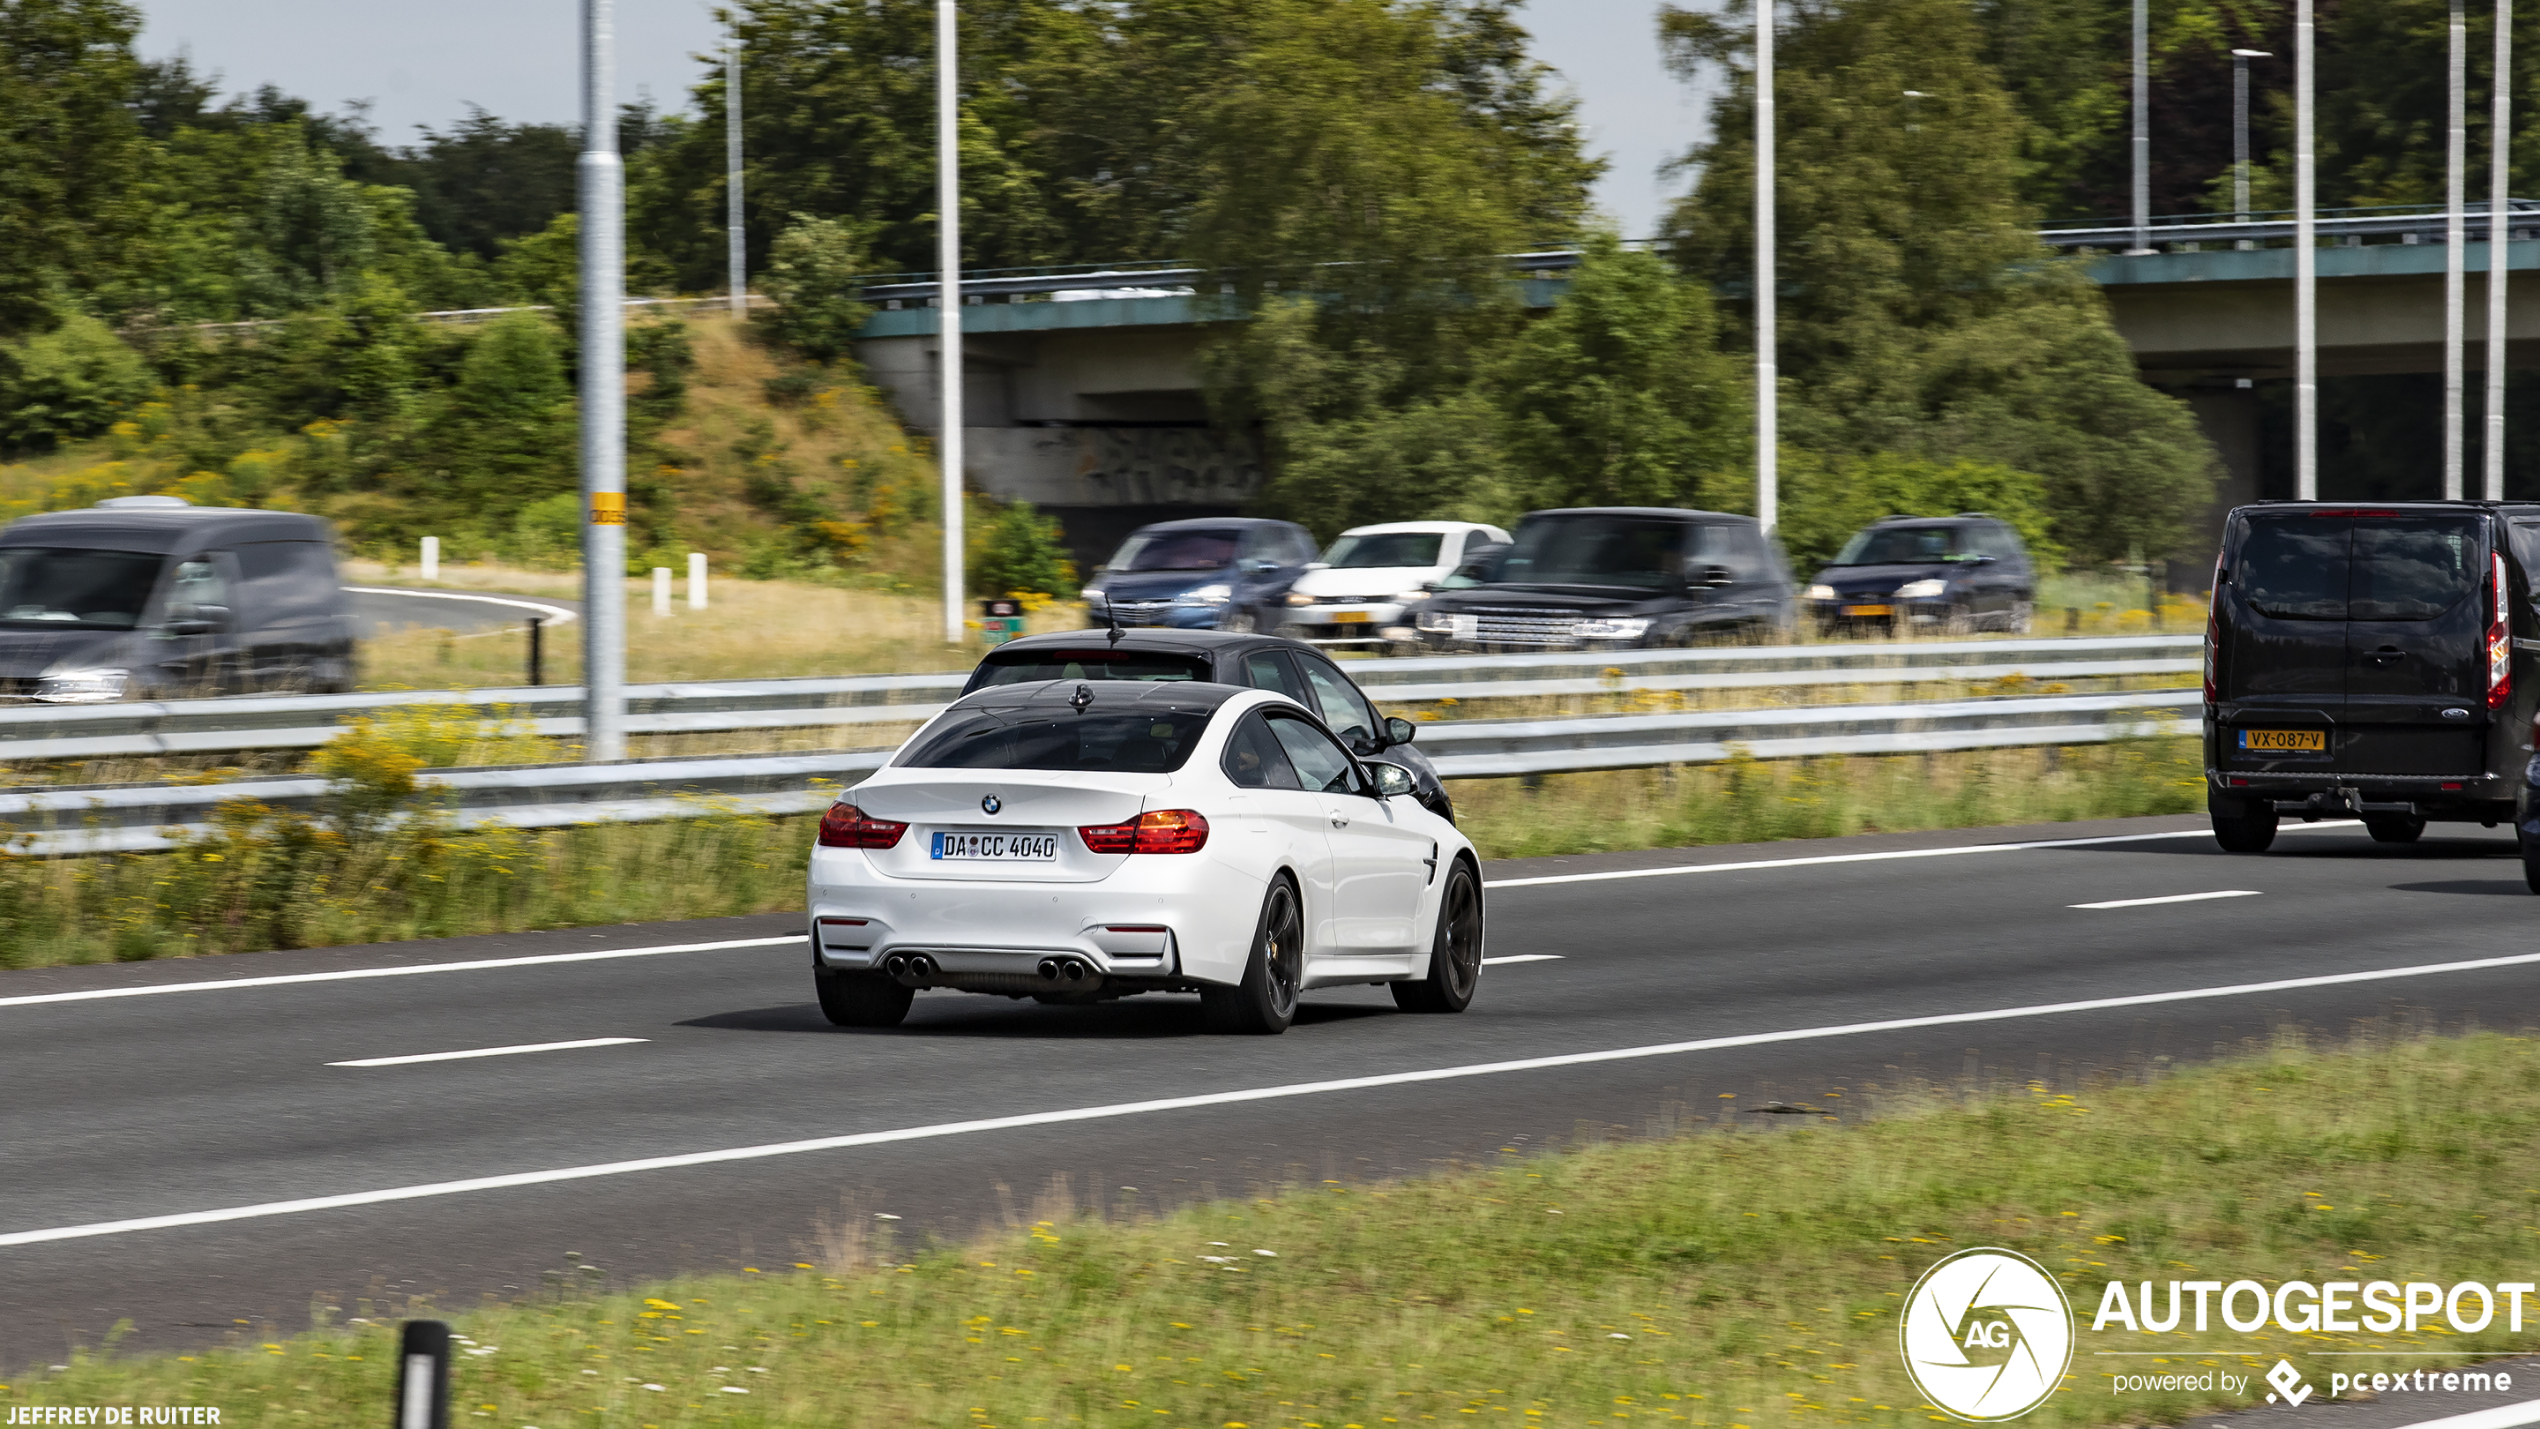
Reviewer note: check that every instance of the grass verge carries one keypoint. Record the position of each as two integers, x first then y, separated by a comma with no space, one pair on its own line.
1733,1278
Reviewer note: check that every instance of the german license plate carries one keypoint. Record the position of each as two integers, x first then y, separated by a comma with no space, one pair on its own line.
2284,741
1860,610
1349,617
998,848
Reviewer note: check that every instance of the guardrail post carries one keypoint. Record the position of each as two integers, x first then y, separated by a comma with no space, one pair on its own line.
423,1376
661,590
537,661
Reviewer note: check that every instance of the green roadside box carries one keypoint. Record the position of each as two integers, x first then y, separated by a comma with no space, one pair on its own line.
1000,620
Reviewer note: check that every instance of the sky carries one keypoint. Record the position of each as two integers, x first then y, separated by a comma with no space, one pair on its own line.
423,64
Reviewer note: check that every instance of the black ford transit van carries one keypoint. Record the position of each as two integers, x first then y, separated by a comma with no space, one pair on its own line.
2378,661
148,597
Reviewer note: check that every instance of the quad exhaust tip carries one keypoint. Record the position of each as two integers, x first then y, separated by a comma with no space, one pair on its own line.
1065,970
909,968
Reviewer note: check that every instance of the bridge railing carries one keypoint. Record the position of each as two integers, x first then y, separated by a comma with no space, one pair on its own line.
2390,223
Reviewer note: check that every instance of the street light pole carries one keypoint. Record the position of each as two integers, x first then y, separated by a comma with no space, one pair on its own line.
603,393
948,300
2142,127
2499,234
1767,357
735,235
2306,376
2455,249
2240,131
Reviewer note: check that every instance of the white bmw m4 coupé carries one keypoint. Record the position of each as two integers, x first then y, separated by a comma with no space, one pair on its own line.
1073,841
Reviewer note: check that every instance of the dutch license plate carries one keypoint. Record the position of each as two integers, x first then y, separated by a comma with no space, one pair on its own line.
1858,610
1349,617
998,848
2288,741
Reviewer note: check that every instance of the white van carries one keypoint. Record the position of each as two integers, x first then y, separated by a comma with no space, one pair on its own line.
1373,575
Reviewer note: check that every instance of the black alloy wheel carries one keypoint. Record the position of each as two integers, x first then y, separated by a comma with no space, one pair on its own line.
1264,1003
1455,955
861,999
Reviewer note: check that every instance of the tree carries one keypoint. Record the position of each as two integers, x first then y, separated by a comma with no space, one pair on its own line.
504,437
810,273
1823,501
1618,396
67,149
1920,315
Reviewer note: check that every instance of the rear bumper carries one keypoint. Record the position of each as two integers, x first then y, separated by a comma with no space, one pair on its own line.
1204,909
2328,793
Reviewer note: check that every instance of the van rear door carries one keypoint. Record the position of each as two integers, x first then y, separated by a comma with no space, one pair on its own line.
2416,645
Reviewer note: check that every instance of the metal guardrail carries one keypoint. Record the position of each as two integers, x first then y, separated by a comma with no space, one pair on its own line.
243,723
142,818
2404,223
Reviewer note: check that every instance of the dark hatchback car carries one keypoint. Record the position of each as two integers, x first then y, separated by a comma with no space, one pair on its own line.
1947,574
2373,662
148,597
1229,573
1617,578
1261,662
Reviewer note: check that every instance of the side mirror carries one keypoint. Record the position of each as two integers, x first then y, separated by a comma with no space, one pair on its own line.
1392,779
1399,731
1255,565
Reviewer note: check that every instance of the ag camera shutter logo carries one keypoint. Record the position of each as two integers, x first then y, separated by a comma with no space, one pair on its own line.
1987,1334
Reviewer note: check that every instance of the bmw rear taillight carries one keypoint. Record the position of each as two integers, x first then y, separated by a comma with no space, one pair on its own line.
1155,831
846,826
2500,641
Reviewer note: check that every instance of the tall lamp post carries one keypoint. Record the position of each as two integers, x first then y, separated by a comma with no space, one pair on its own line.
2499,233
2455,248
2306,376
948,300
1767,363
603,394
735,235
2142,128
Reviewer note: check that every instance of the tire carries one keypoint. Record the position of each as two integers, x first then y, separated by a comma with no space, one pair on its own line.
2239,826
2530,865
2394,828
1264,1003
1455,954
861,999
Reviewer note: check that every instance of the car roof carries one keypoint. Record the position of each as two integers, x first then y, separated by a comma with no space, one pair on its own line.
1148,638
1669,513
160,529
1105,696
1422,527
1964,519
1215,523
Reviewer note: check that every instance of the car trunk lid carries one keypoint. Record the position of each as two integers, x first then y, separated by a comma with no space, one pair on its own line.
1010,803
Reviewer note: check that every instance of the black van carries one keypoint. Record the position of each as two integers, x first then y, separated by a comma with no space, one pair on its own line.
1617,577
2370,661
147,597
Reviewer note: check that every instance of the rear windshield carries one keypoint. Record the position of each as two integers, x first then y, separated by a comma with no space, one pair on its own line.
1131,742
1385,548
1177,551
2358,568
52,587
1025,666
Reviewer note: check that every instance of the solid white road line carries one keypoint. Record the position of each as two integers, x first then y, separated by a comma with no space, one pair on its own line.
557,613
411,970
2172,898
1117,1110
489,1052
1822,859
2503,1416
1523,958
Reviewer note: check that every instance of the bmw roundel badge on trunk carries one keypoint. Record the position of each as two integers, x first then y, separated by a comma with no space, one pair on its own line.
991,804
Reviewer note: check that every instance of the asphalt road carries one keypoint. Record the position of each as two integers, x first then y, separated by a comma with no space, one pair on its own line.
384,610
1786,971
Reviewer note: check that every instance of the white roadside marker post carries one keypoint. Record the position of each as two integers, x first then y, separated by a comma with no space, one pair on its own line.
696,580
661,590
423,1375
432,558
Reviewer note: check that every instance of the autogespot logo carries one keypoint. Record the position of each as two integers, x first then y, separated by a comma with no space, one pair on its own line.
1987,1334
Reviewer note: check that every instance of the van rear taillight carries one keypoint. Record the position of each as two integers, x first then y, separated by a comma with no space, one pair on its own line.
2500,640
2213,628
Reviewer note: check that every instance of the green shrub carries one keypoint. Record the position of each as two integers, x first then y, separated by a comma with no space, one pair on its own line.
65,384
1824,500
810,273
1015,550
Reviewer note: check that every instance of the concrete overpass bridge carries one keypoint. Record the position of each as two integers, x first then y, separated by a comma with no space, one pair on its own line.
1083,389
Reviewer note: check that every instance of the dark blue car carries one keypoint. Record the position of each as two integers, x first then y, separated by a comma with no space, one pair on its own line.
1209,573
